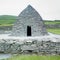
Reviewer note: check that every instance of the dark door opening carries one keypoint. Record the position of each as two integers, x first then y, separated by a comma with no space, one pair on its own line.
28,30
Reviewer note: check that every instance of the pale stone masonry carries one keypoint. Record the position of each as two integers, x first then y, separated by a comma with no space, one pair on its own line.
29,46
29,23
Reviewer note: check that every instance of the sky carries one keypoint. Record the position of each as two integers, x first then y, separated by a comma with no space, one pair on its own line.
48,9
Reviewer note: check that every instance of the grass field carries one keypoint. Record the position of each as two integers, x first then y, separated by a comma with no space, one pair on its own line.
55,31
34,57
52,22
6,22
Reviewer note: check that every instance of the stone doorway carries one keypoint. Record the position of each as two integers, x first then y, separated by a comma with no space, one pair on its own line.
28,30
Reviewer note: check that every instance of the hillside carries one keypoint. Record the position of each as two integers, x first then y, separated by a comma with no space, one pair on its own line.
7,17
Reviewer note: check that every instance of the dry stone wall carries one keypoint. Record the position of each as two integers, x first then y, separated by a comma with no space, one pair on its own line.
34,46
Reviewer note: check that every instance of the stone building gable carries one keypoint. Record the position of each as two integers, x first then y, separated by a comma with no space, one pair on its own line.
29,23
30,12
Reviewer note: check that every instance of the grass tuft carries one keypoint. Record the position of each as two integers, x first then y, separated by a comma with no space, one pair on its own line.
34,57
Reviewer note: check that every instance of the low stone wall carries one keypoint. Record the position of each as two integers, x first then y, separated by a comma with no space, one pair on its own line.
34,46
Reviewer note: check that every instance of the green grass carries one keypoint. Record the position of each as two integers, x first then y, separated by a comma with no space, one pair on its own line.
52,22
34,57
55,31
6,22
6,25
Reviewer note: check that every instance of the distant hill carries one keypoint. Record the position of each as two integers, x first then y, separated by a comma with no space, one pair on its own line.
7,17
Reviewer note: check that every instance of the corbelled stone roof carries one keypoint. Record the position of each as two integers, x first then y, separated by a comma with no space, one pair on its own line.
29,17
29,11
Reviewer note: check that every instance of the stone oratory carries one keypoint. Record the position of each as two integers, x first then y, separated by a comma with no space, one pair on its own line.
29,23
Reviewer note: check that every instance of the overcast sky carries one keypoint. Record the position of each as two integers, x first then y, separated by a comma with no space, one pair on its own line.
48,9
